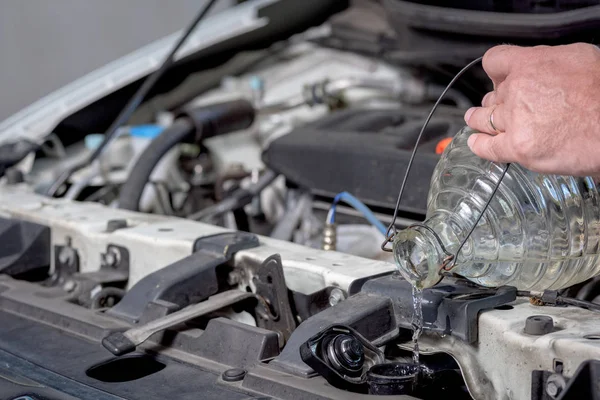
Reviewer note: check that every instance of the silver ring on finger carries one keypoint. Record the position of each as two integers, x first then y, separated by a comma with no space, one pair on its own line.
492,120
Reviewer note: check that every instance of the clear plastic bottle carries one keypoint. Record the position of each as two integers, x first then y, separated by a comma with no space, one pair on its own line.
539,232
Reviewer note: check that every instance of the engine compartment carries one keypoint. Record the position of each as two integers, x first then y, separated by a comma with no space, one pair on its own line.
304,294
219,271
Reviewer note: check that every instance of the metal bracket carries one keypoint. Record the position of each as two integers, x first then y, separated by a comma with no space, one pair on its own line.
66,264
450,309
187,281
116,258
97,289
273,308
307,305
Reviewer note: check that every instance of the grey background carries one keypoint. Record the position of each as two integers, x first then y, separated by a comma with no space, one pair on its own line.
45,44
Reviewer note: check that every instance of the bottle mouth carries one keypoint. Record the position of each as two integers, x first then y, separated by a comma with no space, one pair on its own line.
418,257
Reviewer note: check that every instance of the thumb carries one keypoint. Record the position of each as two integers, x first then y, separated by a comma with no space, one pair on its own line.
491,148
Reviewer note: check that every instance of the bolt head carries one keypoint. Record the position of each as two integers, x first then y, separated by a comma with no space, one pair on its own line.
66,256
555,385
335,297
112,257
552,389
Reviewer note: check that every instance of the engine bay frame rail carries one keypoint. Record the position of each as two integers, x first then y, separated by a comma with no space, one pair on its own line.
504,356
154,241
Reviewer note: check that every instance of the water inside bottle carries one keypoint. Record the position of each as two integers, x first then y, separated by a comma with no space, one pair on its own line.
539,231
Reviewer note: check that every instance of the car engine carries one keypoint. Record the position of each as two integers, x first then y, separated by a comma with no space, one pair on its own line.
196,255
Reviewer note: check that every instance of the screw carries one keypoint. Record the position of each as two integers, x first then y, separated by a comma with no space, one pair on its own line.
555,385
66,256
552,389
112,257
336,296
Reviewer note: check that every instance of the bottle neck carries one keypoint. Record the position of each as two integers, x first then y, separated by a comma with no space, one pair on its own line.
418,253
448,233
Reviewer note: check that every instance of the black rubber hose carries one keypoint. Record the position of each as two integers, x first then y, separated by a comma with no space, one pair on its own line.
220,118
197,83
193,125
579,303
237,199
132,189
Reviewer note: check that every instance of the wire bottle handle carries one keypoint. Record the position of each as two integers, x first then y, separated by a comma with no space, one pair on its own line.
450,259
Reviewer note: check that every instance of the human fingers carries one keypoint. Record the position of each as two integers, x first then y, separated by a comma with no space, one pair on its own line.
499,60
497,96
486,119
492,148
489,99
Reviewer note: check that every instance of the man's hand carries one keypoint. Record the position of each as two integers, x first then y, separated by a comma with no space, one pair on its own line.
545,107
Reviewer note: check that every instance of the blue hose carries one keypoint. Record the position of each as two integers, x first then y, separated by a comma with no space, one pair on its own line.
358,206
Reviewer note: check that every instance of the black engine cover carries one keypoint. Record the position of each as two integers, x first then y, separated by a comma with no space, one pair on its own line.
366,153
